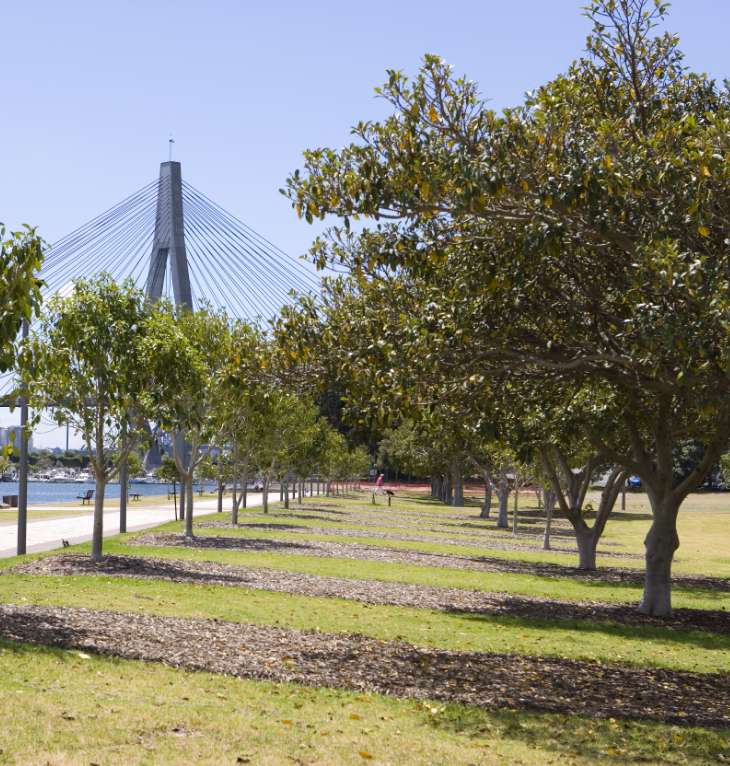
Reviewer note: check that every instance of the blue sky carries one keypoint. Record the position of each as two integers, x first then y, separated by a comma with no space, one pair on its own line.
91,91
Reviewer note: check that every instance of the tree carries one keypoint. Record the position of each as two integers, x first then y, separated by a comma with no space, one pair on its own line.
21,256
134,463
585,230
167,471
241,408
88,364
188,352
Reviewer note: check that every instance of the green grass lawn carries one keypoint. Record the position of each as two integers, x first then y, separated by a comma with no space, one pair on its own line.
703,530
70,708
578,639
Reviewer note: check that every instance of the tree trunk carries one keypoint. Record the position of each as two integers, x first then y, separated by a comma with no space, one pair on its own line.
436,487
549,498
266,495
487,505
587,544
503,496
457,481
97,535
220,496
174,497
234,504
286,494
182,499
447,489
189,505
661,542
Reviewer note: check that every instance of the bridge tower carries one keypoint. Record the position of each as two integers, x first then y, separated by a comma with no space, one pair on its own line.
169,239
168,244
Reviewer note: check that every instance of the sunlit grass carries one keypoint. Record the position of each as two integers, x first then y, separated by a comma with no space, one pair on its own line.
69,708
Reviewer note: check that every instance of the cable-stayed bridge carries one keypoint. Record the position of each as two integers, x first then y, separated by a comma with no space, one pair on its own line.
173,241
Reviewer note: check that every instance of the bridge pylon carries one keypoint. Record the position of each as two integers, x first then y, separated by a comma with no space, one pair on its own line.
169,239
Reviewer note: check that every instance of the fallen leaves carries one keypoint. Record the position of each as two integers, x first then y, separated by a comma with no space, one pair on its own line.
367,665
371,592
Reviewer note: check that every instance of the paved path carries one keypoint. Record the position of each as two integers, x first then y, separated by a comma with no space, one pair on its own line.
45,535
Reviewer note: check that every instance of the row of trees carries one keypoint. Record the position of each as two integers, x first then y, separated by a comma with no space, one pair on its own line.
113,365
544,287
553,278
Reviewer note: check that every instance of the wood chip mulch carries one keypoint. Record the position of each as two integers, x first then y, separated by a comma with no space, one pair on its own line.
360,552
369,591
344,531
364,664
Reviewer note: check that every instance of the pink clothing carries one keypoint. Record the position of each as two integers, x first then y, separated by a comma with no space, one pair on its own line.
379,482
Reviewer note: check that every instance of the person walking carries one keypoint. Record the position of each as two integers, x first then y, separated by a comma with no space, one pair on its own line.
378,488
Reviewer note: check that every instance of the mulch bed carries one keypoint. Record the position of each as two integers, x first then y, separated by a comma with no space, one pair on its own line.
357,551
364,664
344,531
370,591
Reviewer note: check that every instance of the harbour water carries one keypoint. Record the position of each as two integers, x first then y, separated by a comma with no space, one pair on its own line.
51,492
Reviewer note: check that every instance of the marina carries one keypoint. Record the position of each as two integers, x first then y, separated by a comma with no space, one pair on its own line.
43,492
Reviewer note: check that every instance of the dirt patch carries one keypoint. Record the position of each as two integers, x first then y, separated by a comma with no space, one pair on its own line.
361,552
371,591
364,664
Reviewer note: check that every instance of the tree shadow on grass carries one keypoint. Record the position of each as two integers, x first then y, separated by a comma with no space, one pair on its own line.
38,628
692,628
271,527
594,739
224,543
317,508
306,517
607,575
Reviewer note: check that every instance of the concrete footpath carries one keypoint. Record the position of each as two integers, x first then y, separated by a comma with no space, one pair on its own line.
45,535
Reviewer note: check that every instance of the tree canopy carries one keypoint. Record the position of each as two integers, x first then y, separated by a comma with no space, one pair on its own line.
578,237
21,256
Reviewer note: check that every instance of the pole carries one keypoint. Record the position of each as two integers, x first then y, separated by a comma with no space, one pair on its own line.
23,470
123,482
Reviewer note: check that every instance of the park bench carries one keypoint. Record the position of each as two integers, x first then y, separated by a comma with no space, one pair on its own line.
86,497
135,496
